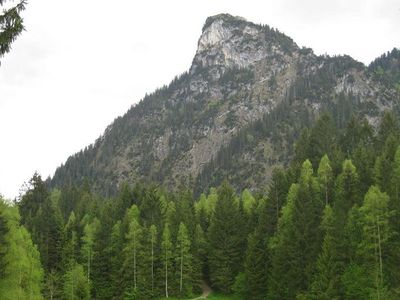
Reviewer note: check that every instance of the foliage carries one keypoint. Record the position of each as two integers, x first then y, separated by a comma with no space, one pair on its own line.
11,24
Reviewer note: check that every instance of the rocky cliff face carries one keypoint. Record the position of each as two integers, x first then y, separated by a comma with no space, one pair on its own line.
203,126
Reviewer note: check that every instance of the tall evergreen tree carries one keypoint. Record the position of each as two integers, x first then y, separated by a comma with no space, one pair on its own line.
325,285
132,249
88,239
101,263
393,248
167,259
376,233
225,241
183,261
22,273
325,179
11,24
299,240
117,259
199,252
153,256
347,194
76,286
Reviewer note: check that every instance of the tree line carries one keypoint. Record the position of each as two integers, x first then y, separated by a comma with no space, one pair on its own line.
326,227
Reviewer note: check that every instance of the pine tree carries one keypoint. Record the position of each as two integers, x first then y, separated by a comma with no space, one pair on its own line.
277,193
225,241
325,179
199,250
89,232
132,248
281,247
256,263
101,262
376,233
22,273
325,285
384,163
11,24
323,139
166,249
76,286
70,248
117,260
183,260
347,191
393,248
347,194
3,248
153,257
298,242
248,201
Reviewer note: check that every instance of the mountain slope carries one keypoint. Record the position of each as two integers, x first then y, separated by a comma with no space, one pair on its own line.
235,114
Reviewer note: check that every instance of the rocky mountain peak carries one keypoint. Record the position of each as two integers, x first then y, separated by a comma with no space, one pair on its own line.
233,42
236,113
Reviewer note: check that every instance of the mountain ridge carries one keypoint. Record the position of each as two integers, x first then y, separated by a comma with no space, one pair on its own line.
241,74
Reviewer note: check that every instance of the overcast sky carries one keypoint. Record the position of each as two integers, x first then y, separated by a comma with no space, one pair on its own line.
80,64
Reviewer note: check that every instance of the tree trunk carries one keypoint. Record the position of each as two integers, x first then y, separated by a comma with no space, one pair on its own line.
134,259
88,273
380,252
166,275
152,264
181,281
277,208
376,259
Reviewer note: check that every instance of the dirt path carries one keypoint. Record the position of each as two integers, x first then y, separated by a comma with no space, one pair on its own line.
206,291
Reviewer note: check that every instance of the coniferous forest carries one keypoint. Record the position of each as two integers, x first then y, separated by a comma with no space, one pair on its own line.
326,227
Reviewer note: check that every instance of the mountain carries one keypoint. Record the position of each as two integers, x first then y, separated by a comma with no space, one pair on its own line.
235,114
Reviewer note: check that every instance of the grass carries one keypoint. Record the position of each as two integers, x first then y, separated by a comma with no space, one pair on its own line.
212,296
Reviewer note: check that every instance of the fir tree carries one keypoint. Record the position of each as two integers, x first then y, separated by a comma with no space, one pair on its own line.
11,24
22,273
376,233
299,239
325,179
166,248
76,286
325,285
225,241
183,261
89,233
132,248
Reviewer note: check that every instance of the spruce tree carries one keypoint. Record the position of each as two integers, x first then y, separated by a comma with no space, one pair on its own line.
199,250
22,273
325,179
184,261
153,256
376,232
347,195
89,233
11,24
76,286
225,241
393,249
326,282
298,242
101,263
132,249
166,258
117,259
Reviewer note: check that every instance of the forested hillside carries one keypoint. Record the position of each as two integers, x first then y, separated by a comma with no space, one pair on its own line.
264,172
235,114
326,227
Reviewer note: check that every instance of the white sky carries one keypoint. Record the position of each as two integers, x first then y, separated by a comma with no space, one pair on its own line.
80,64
